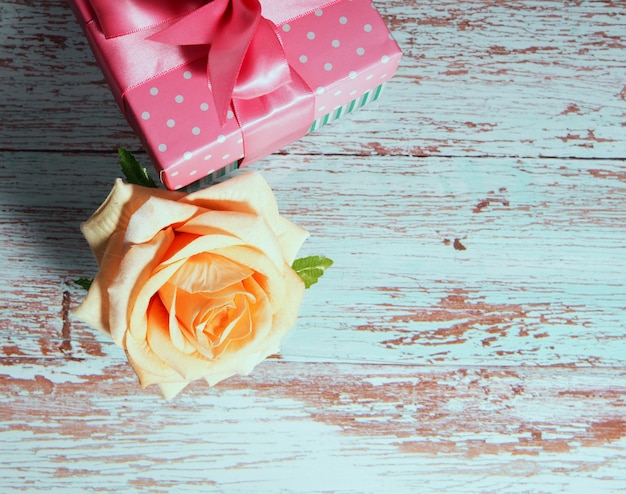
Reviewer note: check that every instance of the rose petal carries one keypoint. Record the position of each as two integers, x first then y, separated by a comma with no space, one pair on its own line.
196,313
160,276
179,335
114,213
250,230
190,315
211,324
245,193
287,316
283,320
199,245
136,268
207,272
267,274
291,237
189,366
191,307
238,325
260,314
156,214
150,369
95,307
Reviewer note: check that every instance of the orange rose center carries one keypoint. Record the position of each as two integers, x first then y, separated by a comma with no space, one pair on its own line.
210,300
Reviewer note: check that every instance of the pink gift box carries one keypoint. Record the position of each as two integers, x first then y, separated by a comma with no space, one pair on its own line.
332,56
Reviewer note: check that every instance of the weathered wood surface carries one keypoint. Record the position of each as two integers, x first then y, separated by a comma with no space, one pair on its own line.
498,78
541,276
318,428
471,336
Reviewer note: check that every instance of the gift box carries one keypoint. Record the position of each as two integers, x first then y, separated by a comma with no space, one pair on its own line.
209,86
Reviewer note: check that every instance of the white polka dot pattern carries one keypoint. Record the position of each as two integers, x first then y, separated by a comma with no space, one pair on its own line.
341,50
178,125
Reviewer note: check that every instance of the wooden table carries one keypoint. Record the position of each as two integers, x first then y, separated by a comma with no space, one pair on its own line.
471,336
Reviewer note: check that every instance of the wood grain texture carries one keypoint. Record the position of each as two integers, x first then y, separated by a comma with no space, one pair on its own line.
535,78
524,290
471,336
317,428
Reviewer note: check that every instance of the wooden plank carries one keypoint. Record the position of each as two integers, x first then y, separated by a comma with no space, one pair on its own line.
488,78
541,279
315,428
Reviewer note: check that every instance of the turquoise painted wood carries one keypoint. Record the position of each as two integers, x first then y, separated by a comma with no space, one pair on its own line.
471,336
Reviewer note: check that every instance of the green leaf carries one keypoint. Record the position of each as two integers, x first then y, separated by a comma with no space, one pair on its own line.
84,282
311,268
133,171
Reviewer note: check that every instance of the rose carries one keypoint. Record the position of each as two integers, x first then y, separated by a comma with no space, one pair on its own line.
193,286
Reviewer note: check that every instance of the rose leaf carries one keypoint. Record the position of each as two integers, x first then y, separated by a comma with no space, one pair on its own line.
311,268
133,171
84,282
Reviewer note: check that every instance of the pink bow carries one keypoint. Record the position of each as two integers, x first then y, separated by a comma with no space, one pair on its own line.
245,58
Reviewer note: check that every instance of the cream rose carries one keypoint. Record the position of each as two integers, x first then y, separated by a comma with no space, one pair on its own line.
196,286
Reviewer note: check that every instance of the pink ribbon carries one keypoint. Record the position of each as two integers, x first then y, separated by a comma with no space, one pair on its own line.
245,58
